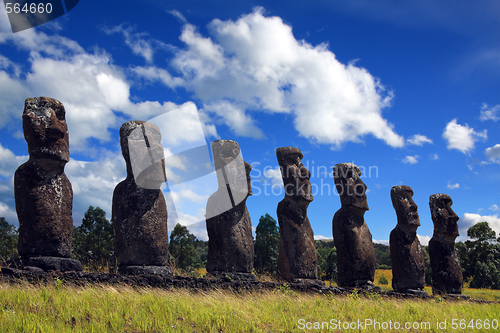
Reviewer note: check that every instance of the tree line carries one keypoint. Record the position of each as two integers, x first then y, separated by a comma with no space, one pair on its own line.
93,245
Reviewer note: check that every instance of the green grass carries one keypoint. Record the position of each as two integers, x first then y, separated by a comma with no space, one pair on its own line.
481,294
100,308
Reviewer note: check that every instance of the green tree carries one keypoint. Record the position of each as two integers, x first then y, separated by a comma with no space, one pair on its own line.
327,260
182,248
427,263
8,239
267,242
480,257
383,256
94,239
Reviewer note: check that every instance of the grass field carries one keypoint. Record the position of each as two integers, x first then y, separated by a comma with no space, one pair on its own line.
61,308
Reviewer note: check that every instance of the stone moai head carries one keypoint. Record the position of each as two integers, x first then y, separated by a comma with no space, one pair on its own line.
406,208
443,217
46,132
231,169
295,175
141,147
351,189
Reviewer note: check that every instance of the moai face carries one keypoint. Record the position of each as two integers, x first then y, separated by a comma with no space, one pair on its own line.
231,170
443,217
406,208
351,188
46,132
143,153
295,175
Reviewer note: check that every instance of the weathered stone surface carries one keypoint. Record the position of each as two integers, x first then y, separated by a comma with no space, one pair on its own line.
229,228
53,263
297,252
43,193
445,264
147,270
139,212
408,267
353,240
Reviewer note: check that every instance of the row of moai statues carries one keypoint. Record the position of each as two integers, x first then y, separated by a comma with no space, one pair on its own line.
44,196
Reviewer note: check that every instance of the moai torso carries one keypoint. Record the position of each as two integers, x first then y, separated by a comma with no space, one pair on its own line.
139,210
445,264
355,252
408,267
297,253
229,228
44,198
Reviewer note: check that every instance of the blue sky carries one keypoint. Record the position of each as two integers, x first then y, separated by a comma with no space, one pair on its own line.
407,90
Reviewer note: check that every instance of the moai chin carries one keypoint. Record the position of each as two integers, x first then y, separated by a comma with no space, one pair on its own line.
43,193
297,253
355,252
229,228
408,267
139,211
445,264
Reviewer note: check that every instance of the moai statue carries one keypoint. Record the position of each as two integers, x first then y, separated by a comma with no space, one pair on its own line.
297,253
408,267
230,241
139,212
445,264
43,193
353,240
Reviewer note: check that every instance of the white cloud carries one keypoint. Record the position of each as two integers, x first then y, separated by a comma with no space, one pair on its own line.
88,84
434,157
418,140
468,220
411,159
93,183
188,194
488,113
493,153
460,137
139,43
274,175
235,118
177,14
158,74
385,242
494,208
9,161
321,237
424,240
453,186
256,64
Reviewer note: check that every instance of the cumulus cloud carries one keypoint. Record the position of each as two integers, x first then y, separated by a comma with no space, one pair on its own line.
321,237
385,242
453,186
91,88
424,240
274,175
493,153
490,113
411,159
9,161
468,220
94,182
462,138
256,64
434,157
494,207
418,140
